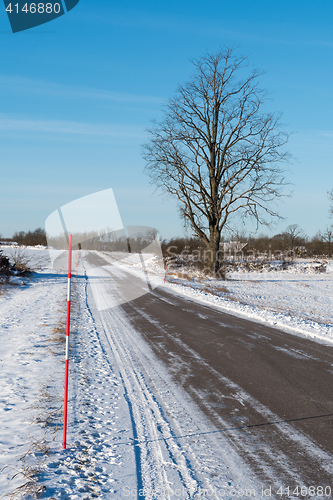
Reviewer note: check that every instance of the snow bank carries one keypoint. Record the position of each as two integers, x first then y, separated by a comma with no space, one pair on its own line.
297,299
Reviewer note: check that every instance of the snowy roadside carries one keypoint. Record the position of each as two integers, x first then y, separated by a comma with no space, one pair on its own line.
32,461
299,306
29,378
296,300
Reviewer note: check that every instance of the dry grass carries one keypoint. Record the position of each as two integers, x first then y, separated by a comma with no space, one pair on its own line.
216,290
47,418
234,299
58,334
179,275
49,413
20,260
31,486
36,446
183,276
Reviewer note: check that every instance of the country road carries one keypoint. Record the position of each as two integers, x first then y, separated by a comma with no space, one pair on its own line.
271,389
267,391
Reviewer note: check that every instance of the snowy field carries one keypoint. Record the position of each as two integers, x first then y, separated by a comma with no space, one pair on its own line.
130,428
297,300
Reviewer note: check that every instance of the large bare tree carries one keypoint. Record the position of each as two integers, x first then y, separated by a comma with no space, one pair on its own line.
216,151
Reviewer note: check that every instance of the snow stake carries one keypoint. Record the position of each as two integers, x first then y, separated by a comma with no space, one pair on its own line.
67,337
166,267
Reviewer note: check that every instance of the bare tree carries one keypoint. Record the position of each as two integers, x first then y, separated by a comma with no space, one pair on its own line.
216,151
292,234
327,236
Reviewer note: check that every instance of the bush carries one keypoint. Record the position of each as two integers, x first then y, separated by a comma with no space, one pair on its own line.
4,269
20,261
31,238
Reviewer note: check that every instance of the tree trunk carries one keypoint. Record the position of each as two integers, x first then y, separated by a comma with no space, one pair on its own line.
215,255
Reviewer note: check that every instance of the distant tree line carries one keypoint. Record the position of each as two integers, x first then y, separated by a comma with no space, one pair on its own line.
292,242
138,240
31,238
114,241
320,245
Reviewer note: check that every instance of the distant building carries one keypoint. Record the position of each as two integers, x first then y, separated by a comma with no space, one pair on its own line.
233,247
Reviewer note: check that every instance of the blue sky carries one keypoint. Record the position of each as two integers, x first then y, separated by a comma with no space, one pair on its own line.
78,93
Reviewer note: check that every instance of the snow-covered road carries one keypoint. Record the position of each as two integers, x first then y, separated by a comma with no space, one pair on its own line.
176,450
134,432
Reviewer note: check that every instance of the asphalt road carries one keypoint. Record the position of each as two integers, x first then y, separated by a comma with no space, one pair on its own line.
269,391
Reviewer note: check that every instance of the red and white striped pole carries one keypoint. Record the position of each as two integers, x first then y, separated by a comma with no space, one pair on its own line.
67,338
166,267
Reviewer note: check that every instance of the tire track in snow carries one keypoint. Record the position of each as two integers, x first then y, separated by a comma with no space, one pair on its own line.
167,457
150,427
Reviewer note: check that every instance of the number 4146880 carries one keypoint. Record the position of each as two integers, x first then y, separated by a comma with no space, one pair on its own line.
33,8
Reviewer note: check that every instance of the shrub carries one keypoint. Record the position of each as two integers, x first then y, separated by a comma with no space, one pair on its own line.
4,270
31,238
20,261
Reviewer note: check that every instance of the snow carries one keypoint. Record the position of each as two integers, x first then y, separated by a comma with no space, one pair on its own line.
297,300
27,318
131,429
